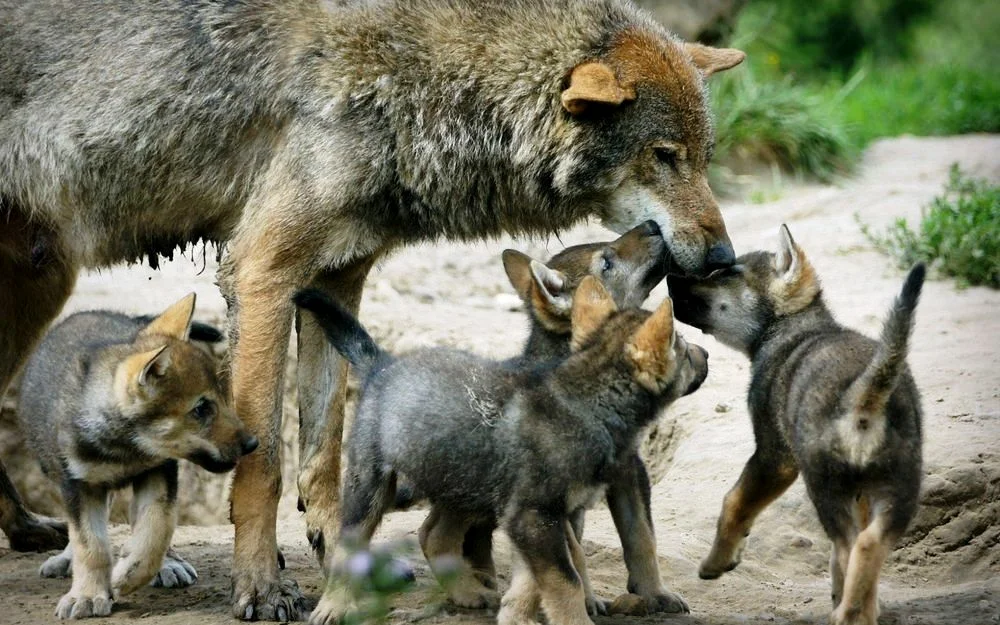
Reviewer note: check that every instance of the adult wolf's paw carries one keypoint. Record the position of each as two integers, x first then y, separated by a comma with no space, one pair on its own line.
335,603
71,606
267,600
38,533
175,572
663,601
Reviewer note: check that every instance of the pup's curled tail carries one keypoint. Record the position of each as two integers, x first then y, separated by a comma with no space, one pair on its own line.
343,330
868,395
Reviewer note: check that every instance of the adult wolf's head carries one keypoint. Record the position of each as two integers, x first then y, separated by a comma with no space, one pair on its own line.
640,111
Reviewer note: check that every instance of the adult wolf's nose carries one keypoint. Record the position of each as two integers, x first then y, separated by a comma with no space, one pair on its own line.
720,256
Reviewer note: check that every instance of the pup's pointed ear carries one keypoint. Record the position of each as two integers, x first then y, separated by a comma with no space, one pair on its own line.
551,285
651,348
146,367
592,306
593,83
710,60
796,284
175,321
518,268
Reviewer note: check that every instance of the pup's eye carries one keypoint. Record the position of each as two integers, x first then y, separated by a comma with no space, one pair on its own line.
204,409
666,156
606,263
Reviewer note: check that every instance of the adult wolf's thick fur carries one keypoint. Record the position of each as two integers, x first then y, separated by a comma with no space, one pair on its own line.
312,138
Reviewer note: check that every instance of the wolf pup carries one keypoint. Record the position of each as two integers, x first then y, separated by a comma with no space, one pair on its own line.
826,401
109,401
628,268
313,138
528,445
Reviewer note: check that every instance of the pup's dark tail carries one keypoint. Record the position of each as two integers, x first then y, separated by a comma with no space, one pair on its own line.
342,330
869,394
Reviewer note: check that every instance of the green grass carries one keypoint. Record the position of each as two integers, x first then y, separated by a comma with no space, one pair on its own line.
959,234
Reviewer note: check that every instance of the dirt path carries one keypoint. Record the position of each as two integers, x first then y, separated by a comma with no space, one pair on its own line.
946,570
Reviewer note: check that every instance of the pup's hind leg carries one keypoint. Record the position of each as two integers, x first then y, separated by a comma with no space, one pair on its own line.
477,549
90,594
35,280
367,495
543,541
441,539
629,502
859,605
60,565
595,605
765,477
154,516
522,600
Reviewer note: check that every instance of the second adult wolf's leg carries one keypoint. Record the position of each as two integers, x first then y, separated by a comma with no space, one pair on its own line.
36,278
322,382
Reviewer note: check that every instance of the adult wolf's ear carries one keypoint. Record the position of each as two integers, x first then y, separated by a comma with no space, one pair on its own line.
651,348
710,60
175,321
592,306
592,83
796,284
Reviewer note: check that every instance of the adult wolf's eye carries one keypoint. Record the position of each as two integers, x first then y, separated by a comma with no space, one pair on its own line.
204,409
667,156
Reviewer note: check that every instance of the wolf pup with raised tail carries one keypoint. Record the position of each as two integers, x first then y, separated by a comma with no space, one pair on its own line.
314,137
839,407
526,445
109,401
628,268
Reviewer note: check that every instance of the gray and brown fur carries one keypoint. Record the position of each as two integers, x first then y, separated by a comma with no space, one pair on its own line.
526,445
837,406
628,268
312,137
109,401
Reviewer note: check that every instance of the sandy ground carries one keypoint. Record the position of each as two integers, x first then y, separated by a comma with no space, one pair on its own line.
944,572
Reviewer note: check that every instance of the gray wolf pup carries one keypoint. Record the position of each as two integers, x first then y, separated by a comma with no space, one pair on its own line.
109,401
628,268
826,401
526,445
313,137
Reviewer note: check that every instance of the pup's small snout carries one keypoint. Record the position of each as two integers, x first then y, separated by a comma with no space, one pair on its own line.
720,256
248,444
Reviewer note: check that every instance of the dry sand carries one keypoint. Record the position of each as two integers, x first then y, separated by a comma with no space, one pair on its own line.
945,570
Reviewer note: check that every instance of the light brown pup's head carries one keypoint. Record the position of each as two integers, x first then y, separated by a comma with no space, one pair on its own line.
629,268
642,107
176,403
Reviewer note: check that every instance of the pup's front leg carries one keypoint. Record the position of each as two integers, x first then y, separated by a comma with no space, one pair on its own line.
154,516
629,502
543,541
90,594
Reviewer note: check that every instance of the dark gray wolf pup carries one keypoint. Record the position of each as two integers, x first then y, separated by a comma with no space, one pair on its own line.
528,445
312,137
628,268
109,401
826,401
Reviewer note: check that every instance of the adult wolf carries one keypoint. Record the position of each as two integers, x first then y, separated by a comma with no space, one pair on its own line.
312,138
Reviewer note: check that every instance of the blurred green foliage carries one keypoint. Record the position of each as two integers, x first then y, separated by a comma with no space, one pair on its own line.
851,71
959,233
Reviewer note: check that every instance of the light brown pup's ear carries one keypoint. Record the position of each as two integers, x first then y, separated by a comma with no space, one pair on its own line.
592,306
710,60
593,83
651,348
175,321
544,289
795,285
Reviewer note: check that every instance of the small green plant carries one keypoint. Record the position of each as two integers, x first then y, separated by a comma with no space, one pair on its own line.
374,576
959,234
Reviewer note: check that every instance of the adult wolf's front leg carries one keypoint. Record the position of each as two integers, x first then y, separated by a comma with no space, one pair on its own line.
322,381
258,280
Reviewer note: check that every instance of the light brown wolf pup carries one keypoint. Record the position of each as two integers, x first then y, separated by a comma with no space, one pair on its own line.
313,137
109,401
